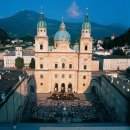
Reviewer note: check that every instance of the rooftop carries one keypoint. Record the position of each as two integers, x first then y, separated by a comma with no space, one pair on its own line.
8,80
25,53
121,85
111,57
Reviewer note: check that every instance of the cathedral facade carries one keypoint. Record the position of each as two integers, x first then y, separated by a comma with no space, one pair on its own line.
63,69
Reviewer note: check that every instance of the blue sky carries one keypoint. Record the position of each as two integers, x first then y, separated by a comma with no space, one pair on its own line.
100,11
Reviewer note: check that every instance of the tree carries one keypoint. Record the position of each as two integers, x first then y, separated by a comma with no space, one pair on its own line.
19,63
119,52
32,63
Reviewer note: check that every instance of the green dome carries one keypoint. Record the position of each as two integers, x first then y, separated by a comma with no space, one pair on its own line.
41,24
86,25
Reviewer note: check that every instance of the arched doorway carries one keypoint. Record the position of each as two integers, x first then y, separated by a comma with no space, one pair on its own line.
70,88
62,88
56,87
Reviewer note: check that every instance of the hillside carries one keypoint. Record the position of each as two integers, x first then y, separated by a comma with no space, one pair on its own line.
121,40
3,36
24,23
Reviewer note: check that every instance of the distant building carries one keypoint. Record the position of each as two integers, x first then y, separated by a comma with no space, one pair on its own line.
9,58
16,41
113,36
113,62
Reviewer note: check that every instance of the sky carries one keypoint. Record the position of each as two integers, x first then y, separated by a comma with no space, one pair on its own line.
100,11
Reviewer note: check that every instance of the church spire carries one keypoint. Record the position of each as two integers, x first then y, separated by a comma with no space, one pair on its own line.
86,15
41,14
62,26
86,24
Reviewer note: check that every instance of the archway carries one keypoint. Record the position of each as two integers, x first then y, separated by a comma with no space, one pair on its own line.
70,88
62,88
56,87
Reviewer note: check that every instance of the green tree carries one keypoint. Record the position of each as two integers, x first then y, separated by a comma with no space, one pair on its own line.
128,70
32,63
19,63
119,52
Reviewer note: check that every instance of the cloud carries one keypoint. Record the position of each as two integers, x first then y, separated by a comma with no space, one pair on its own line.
74,11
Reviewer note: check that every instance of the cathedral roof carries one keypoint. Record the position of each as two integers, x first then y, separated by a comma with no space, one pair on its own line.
62,34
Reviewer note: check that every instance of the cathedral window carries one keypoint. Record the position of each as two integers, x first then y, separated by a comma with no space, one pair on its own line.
70,66
86,48
63,76
63,65
84,84
41,46
85,67
84,77
56,76
70,76
41,58
41,76
41,66
56,65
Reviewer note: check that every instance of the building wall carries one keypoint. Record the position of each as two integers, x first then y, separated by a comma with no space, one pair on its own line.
115,64
9,61
49,72
115,103
95,65
11,110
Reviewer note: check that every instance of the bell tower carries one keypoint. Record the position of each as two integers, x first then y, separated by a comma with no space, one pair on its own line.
85,56
86,40
41,39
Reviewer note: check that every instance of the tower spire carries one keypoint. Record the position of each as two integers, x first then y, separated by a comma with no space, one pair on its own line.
41,9
62,26
86,15
41,13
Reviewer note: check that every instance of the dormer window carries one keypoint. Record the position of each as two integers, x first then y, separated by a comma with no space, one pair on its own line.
41,47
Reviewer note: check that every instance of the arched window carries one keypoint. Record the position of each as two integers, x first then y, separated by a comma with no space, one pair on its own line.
63,65
41,47
86,48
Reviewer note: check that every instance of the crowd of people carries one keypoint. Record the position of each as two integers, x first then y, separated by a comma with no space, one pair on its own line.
54,110
62,96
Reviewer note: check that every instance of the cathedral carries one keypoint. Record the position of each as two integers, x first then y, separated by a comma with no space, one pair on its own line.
63,69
